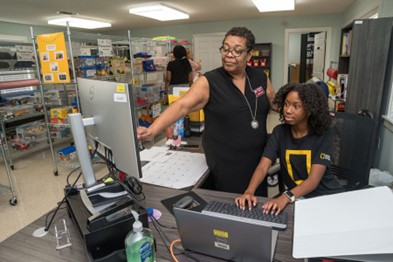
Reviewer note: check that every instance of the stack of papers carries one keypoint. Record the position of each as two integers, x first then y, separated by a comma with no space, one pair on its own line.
173,169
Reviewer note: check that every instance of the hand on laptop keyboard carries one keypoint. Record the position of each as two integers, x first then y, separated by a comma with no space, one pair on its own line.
274,206
254,216
246,201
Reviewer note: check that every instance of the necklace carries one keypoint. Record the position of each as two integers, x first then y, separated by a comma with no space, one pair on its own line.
254,122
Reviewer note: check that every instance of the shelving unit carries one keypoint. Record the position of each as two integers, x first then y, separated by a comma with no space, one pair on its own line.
22,82
345,49
146,71
148,75
369,66
262,58
10,186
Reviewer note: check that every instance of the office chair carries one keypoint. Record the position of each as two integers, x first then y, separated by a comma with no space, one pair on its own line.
354,144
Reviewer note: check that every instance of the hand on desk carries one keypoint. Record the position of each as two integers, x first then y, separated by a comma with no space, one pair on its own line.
274,206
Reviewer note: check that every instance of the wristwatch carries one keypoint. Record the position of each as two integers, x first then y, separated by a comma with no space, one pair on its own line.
290,196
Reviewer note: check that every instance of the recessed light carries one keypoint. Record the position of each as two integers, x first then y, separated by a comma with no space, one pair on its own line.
274,5
159,12
78,22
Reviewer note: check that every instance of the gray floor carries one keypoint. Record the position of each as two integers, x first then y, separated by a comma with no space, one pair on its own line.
38,190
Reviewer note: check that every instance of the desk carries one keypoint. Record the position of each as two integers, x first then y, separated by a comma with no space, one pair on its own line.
22,246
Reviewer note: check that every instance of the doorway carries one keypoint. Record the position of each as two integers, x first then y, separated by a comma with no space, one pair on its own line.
292,41
206,49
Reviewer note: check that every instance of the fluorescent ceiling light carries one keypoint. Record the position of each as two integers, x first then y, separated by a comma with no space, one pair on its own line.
158,12
78,22
274,5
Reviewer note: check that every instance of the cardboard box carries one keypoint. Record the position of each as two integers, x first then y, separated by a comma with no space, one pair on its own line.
198,116
294,73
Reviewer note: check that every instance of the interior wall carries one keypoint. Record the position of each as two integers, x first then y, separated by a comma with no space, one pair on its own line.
269,29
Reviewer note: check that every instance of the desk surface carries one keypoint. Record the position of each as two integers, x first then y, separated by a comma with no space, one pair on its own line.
22,246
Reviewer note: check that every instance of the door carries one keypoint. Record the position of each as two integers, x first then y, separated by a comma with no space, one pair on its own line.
319,55
206,49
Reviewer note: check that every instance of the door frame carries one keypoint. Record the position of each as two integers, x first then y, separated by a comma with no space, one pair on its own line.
328,31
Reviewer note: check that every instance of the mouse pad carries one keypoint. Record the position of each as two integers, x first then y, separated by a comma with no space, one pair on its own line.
197,205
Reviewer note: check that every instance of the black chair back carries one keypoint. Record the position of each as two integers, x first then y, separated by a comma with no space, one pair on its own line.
354,145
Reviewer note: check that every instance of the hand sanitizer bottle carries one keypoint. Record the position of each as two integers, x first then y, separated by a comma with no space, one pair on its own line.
140,243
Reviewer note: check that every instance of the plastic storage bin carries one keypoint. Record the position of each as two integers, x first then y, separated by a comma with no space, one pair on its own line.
16,111
33,131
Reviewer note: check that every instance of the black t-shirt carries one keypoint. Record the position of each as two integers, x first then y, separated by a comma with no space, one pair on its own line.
232,147
297,155
180,70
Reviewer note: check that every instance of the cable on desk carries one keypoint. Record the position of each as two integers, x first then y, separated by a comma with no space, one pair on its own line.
60,203
161,225
165,238
171,249
64,198
69,175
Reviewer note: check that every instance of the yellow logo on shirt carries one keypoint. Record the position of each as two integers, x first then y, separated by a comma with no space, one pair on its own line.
324,156
289,153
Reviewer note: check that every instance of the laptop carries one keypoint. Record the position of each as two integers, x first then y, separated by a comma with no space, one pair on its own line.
224,238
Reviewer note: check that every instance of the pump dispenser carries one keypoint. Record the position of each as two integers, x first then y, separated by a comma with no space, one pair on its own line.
139,243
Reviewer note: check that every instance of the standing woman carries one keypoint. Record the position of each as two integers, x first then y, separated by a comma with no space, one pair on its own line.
178,71
195,65
236,100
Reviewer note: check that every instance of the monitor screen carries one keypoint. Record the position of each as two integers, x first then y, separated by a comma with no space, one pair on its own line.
111,105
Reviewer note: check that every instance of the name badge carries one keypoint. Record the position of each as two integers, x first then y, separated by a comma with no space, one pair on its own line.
259,91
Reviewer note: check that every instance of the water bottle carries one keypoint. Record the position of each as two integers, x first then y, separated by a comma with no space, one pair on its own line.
187,128
139,243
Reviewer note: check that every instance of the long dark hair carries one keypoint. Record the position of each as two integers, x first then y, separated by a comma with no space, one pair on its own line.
314,102
180,53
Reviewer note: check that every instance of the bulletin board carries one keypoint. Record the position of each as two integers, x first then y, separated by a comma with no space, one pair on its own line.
53,58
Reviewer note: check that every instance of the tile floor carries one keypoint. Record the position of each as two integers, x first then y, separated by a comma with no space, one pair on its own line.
38,190
36,187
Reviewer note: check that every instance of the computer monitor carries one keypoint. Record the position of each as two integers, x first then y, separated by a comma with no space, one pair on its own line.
111,106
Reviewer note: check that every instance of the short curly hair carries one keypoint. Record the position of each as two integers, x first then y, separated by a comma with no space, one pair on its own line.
314,102
242,32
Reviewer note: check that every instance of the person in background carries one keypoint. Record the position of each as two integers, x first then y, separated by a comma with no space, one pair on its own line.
236,100
178,71
303,143
195,65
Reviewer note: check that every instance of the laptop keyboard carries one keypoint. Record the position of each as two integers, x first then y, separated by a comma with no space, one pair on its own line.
253,216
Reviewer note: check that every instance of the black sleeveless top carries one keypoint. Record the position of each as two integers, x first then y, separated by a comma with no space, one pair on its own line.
233,148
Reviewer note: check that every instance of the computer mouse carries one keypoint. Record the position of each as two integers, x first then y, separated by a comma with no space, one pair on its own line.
184,202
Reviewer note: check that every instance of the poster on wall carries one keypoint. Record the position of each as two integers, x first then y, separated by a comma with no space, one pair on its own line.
24,53
53,58
105,47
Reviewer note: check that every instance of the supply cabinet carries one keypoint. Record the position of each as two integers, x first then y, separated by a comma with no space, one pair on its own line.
369,66
262,57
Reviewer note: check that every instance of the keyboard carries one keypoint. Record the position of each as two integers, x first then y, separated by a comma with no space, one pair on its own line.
253,216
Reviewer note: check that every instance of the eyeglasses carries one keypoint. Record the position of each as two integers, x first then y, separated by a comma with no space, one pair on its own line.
235,53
